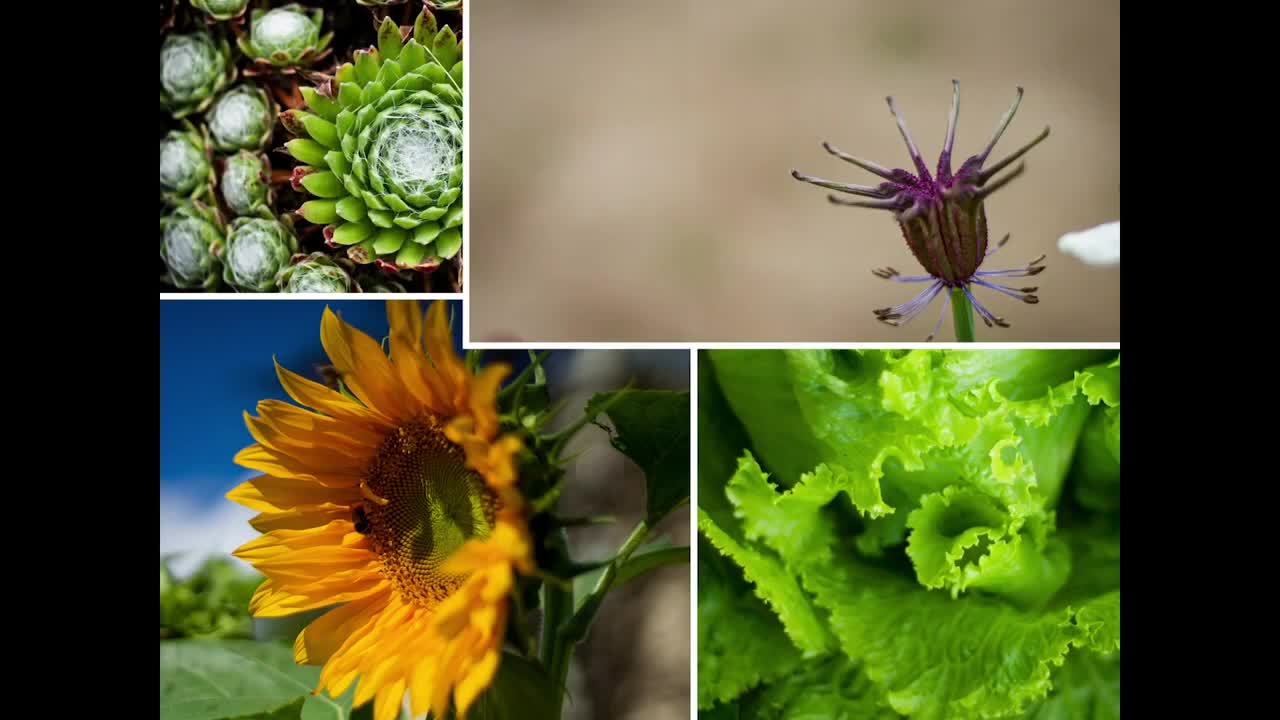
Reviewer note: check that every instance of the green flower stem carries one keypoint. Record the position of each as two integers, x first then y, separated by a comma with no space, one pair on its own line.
557,603
574,630
962,312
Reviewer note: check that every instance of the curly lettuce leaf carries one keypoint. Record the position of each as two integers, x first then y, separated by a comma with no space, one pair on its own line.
917,504
740,641
936,657
830,688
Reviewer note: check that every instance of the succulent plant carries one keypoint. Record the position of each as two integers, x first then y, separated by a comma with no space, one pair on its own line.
256,250
316,273
246,184
194,68
186,164
379,3
285,38
242,119
191,238
221,9
382,149
374,284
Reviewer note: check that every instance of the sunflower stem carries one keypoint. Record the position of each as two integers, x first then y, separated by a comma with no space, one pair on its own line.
962,313
574,629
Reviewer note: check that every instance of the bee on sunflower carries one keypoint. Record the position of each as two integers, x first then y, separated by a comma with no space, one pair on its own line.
397,498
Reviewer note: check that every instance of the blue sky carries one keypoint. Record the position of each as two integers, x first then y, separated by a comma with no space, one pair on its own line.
215,363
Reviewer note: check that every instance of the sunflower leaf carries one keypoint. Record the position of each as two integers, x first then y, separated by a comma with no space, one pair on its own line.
652,428
521,690
227,679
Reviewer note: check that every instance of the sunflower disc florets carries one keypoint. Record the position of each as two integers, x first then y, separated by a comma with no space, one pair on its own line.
382,149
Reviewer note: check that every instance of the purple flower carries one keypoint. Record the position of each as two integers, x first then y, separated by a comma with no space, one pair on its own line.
943,219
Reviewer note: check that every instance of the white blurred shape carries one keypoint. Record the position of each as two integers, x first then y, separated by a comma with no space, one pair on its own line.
192,531
1095,246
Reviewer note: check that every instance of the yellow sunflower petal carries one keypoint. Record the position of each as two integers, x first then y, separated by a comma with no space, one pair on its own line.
309,449
322,638
407,356
334,430
387,706
449,367
257,457
273,600
484,398
477,678
301,517
363,366
322,399
267,493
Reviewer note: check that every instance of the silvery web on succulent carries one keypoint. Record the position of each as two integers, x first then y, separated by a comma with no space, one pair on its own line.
336,123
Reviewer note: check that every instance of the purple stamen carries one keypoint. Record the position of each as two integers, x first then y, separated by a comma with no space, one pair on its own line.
944,160
988,190
893,203
1004,123
884,172
998,245
987,174
864,190
987,316
902,314
946,302
1025,296
911,145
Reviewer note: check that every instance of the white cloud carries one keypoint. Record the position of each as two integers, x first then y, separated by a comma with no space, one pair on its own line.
193,530
1095,246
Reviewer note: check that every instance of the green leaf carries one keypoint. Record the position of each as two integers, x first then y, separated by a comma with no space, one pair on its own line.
1087,687
448,243
308,152
755,650
389,43
828,687
650,556
225,679
521,691
652,428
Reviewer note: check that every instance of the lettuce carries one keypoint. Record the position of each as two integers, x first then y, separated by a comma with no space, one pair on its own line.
939,529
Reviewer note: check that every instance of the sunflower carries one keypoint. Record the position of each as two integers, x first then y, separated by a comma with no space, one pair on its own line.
396,501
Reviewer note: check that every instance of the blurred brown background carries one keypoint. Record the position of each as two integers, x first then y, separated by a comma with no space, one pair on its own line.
629,162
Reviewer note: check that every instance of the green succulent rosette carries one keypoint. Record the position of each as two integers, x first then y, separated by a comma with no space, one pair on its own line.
256,250
191,238
316,273
242,119
194,68
284,39
186,165
221,9
381,148
246,184
373,284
